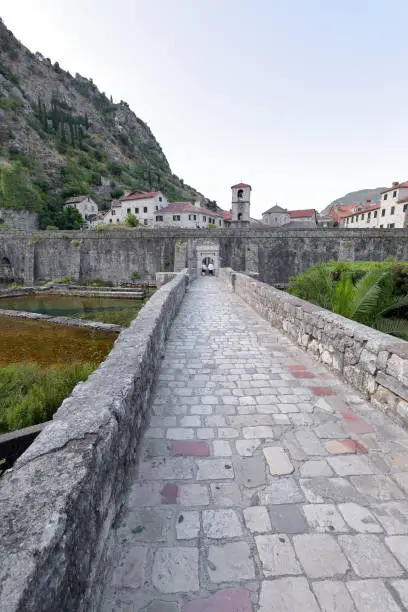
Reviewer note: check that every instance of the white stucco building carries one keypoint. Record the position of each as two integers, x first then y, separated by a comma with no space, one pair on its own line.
275,216
390,212
188,215
85,205
143,205
394,205
363,217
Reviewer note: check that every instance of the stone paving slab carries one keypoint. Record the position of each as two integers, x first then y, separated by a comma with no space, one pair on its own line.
265,483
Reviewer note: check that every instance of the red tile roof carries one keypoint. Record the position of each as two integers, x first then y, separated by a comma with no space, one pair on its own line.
239,185
364,210
403,200
227,215
187,207
302,214
397,186
139,196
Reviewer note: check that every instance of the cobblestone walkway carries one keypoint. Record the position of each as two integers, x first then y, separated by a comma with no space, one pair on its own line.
265,483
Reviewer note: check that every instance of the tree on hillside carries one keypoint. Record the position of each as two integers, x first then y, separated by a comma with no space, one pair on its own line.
69,219
16,190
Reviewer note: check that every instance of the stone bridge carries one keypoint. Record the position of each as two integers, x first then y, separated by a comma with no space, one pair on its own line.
240,450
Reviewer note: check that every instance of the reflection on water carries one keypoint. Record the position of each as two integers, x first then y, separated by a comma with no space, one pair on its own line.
106,310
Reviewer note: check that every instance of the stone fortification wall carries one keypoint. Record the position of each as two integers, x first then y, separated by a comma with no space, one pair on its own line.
115,255
18,219
62,495
374,363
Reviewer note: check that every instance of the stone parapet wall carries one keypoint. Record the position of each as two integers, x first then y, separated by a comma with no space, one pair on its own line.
58,502
376,364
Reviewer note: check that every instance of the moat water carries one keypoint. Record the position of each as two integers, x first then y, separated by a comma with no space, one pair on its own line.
23,340
107,310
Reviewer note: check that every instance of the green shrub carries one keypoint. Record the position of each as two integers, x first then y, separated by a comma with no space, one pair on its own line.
75,243
131,220
134,276
30,394
372,293
67,279
51,228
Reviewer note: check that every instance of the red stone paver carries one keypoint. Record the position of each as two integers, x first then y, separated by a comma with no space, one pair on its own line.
342,447
322,391
191,449
227,600
169,493
295,367
303,374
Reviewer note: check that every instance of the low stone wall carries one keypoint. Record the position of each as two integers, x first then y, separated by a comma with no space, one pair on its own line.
59,500
65,321
374,363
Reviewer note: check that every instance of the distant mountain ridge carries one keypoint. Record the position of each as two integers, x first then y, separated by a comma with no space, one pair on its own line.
60,136
356,197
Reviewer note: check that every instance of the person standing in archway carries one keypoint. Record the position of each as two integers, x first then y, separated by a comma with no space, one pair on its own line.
204,268
211,268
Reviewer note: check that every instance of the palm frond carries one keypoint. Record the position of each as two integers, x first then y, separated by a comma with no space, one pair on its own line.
396,303
393,326
367,296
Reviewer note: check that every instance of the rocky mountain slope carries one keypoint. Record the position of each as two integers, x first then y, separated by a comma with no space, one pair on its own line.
60,136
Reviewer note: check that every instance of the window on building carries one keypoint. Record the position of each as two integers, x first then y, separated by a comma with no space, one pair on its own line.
383,212
405,207
385,196
144,208
394,194
159,218
113,212
145,221
136,210
189,217
219,222
381,226
392,225
117,220
392,210
352,220
110,220
347,220
176,217
128,210
195,217
362,217
156,208
160,199
368,216
375,214
204,218
356,217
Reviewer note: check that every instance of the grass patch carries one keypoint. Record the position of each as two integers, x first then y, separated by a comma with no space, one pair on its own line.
31,393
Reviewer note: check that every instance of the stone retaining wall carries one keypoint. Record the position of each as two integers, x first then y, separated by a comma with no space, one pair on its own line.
58,502
374,363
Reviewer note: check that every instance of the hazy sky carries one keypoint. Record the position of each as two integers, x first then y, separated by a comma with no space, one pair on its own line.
303,99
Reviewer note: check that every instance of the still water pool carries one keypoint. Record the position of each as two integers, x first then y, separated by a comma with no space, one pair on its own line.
106,310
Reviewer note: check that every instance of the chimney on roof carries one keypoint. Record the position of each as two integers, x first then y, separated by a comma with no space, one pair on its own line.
395,184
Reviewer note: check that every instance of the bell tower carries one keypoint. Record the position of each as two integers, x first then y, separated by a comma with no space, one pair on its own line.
241,200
